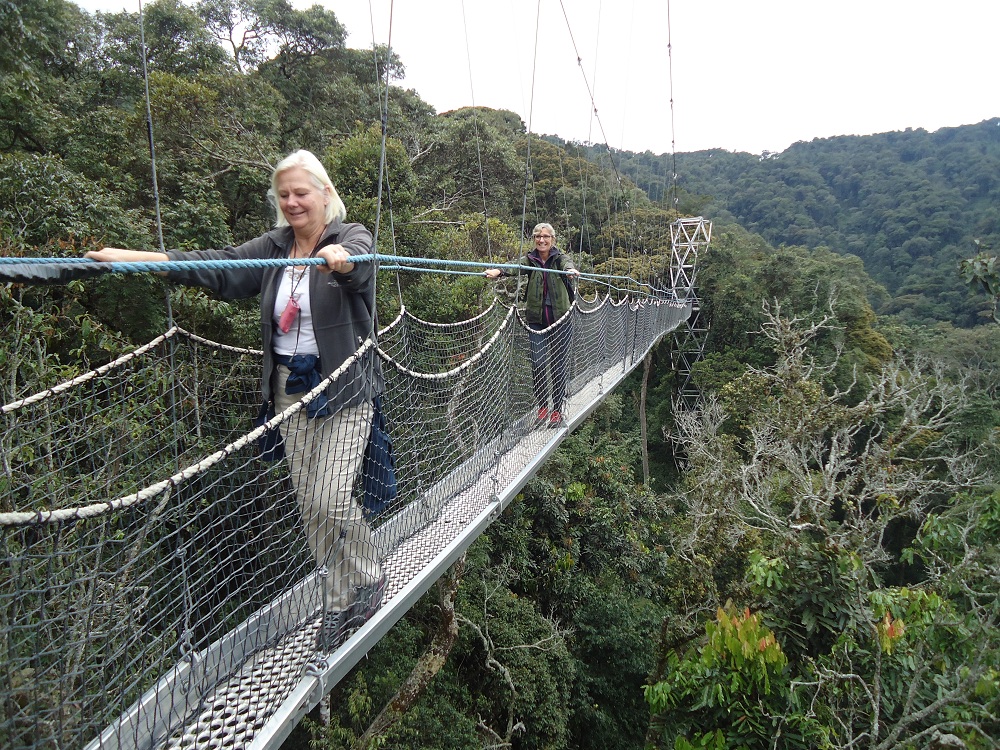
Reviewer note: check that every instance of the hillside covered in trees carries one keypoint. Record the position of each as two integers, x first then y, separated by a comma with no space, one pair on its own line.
812,559
910,204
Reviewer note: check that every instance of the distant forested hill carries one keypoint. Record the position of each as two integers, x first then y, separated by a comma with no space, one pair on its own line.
909,204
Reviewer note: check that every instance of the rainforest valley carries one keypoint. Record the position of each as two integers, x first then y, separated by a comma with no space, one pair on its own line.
811,559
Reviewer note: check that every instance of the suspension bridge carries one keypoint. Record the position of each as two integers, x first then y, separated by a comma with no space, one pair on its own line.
156,586
157,589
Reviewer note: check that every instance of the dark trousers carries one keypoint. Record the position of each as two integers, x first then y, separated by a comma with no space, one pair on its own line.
550,356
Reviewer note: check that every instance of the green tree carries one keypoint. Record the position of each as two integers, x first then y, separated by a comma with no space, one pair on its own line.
470,165
43,46
589,546
983,274
250,29
906,203
731,690
830,492
356,165
177,42
43,201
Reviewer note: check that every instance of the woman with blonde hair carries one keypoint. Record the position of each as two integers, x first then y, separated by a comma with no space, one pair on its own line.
548,297
313,319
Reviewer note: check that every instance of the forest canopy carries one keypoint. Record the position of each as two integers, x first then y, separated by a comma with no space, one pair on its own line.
812,555
910,204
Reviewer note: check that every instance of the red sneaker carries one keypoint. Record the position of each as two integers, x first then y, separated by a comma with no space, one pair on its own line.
543,414
555,419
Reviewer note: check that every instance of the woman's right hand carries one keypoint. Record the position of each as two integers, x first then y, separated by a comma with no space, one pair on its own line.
492,273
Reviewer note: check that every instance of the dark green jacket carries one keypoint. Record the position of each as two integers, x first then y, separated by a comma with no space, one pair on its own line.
557,286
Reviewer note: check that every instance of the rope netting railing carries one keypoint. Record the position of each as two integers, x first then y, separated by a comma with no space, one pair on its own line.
147,551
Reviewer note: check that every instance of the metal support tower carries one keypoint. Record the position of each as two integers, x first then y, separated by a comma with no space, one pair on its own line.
688,239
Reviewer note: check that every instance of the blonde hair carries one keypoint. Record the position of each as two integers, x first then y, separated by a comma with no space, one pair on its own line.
544,225
307,160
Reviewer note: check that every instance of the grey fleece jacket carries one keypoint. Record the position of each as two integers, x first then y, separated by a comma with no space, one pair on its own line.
342,304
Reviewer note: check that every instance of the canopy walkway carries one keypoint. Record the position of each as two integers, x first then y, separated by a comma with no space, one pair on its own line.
157,589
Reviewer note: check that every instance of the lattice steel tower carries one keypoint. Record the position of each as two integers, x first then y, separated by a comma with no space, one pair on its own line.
688,238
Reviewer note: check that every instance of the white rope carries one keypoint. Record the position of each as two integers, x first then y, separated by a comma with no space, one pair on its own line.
20,518
79,379
460,324
221,347
462,367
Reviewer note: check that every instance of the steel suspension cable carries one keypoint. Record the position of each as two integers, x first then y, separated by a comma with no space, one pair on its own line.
156,205
475,125
593,103
383,176
673,132
590,131
528,177
596,115
675,201
384,120
149,129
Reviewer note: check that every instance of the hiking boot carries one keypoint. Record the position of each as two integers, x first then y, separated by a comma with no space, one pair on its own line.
332,632
555,419
366,603
543,414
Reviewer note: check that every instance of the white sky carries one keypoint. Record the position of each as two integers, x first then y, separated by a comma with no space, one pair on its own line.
748,75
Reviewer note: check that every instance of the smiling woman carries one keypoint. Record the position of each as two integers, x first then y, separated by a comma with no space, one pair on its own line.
549,296
311,325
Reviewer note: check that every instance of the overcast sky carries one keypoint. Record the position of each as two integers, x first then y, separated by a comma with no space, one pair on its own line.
748,75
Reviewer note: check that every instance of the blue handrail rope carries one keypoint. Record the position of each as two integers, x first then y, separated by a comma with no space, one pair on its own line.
649,289
402,262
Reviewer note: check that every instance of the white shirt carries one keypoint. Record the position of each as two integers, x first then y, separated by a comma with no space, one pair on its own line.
300,339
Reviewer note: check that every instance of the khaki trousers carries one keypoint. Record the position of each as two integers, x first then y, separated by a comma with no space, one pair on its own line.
324,457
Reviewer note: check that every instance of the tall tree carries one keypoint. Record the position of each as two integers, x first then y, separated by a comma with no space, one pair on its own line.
254,30
42,43
830,492
983,274
470,165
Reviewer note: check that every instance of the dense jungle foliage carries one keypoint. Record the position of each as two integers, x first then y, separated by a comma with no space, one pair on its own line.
910,204
813,559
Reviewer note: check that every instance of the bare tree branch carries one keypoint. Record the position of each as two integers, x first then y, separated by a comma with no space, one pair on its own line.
428,665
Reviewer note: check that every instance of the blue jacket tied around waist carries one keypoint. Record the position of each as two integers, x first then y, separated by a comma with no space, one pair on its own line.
304,376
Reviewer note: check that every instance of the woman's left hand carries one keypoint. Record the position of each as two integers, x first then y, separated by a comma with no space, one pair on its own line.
336,258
